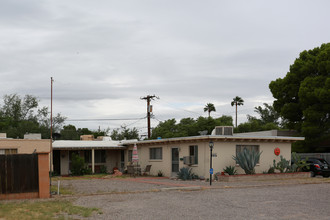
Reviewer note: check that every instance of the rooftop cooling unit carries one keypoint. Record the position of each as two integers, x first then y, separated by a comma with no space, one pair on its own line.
224,130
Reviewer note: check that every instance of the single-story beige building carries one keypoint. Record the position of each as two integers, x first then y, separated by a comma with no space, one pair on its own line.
169,155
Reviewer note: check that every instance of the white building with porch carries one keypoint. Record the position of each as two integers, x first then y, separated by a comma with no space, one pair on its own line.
97,153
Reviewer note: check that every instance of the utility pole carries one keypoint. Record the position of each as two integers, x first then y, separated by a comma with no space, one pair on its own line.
51,135
149,110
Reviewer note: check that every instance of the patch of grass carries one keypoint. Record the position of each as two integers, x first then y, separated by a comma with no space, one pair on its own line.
92,176
40,210
63,190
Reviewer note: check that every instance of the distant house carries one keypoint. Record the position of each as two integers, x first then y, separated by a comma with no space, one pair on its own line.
32,143
169,155
100,152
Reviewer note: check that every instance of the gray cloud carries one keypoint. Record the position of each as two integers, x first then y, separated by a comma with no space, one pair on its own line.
104,56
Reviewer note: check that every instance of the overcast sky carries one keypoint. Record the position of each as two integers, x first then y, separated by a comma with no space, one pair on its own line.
104,55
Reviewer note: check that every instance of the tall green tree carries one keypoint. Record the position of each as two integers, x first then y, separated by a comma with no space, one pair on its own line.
255,124
124,133
189,126
268,114
302,97
268,119
84,131
237,101
43,118
209,107
19,116
69,132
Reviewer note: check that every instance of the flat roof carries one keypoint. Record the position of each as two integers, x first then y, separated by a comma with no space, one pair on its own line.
223,138
68,144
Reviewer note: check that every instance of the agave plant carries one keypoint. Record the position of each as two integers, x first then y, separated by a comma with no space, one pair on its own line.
230,170
247,160
185,173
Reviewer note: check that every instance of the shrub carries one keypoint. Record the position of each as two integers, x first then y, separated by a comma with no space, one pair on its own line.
231,170
247,160
271,170
185,173
298,163
78,166
103,169
216,175
160,173
87,170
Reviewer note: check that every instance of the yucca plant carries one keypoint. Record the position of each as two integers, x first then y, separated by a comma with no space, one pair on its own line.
247,160
185,173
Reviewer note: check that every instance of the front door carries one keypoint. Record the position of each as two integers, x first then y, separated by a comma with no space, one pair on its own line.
175,161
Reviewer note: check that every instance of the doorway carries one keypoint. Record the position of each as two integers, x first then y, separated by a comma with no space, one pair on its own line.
175,161
57,162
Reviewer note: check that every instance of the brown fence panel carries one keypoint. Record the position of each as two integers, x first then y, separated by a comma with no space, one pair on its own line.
2,174
19,173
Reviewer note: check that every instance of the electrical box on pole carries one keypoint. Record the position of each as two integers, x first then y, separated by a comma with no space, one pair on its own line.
149,110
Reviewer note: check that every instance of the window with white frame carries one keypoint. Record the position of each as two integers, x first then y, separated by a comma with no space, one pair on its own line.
193,152
240,148
156,153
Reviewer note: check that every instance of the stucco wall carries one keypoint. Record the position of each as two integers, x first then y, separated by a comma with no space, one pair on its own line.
224,151
26,146
112,159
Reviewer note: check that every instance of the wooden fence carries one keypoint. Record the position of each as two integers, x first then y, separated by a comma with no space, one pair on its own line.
19,173
325,156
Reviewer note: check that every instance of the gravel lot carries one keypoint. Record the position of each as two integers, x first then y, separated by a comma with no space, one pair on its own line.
141,198
303,201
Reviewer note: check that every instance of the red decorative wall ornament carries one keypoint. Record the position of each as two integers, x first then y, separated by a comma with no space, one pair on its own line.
277,151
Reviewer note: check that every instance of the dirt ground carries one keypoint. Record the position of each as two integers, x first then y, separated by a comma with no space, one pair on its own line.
114,185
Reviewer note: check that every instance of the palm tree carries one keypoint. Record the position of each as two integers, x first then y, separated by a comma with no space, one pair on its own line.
237,101
209,107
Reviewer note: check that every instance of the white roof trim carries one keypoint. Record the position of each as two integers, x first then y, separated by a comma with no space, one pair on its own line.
86,144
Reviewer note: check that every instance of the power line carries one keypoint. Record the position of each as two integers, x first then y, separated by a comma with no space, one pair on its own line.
182,109
106,119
